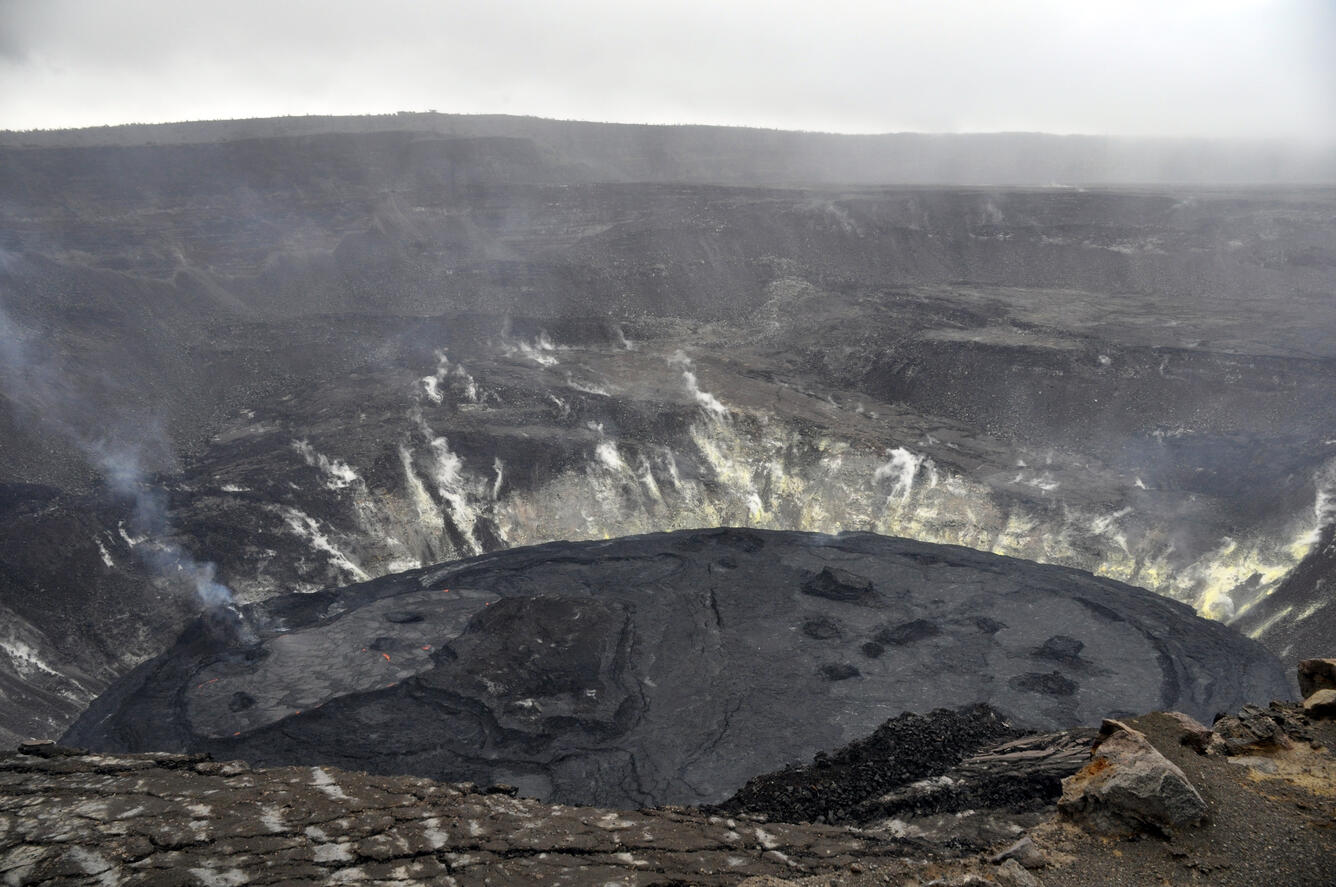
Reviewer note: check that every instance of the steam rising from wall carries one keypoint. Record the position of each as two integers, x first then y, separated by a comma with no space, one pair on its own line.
734,465
707,401
120,465
539,352
1324,505
33,382
747,467
447,372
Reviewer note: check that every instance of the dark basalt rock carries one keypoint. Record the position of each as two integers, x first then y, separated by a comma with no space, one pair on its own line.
821,629
1254,730
840,671
1051,684
1060,648
840,585
908,633
900,751
961,778
240,701
937,797
633,672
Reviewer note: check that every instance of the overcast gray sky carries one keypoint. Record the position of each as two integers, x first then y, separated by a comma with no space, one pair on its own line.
1253,68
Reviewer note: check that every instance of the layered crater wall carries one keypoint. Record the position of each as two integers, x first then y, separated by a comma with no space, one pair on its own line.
287,360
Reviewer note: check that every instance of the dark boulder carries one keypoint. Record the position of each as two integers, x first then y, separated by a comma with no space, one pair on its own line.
1315,675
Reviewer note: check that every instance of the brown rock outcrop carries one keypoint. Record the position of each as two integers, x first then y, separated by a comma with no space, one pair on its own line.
1194,734
1316,674
1322,704
1129,785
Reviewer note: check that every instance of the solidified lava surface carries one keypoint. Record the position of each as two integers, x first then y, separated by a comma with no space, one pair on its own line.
668,668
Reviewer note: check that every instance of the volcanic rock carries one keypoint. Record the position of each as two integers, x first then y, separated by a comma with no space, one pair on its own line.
1194,734
839,585
184,819
1321,704
941,778
1011,874
666,668
1316,674
1129,785
1254,729
1020,775
1024,851
908,751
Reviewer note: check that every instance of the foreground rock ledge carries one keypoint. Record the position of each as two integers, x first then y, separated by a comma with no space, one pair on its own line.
73,817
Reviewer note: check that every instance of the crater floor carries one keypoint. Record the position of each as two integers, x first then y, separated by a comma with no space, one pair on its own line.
668,668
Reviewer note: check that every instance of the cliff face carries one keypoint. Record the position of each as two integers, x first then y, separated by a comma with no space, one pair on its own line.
1302,610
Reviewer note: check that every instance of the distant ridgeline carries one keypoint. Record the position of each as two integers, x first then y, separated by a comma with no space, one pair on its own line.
739,156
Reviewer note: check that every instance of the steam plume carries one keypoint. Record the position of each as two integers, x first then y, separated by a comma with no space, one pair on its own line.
34,384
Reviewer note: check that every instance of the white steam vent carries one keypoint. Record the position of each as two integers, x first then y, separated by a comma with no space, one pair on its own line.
706,400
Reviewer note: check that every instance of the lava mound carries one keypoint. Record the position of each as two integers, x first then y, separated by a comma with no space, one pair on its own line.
667,668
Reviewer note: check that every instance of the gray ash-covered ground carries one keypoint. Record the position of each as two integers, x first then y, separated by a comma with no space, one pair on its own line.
668,668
